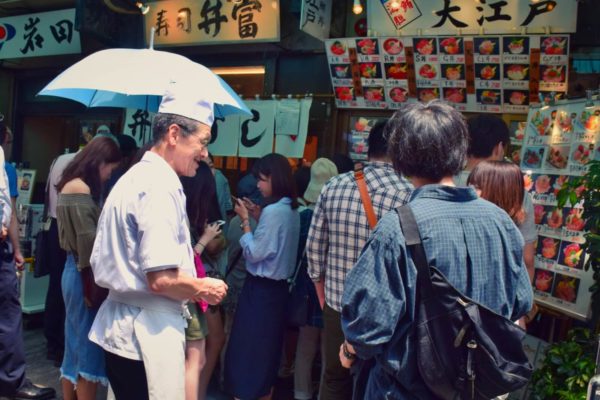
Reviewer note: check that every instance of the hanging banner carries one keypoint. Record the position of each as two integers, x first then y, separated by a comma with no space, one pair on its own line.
225,136
447,17
315,18
207,22
138,124
287,120
559,142
256,132
42,34
293,145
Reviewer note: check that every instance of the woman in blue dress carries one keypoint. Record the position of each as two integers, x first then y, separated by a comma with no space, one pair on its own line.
254,349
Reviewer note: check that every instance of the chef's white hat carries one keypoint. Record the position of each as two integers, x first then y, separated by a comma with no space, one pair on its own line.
188,101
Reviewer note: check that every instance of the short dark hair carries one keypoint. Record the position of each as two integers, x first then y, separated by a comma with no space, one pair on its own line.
277,167
343,163
485,132
301,179
86,164
378,145
162,121
127,145
427,141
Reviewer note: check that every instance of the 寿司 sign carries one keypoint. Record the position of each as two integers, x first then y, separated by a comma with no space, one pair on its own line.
183,22
440,17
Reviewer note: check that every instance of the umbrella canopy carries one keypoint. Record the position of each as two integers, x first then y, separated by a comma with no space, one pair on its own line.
137,78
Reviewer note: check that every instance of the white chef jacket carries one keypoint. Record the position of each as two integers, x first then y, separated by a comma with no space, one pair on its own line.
142,228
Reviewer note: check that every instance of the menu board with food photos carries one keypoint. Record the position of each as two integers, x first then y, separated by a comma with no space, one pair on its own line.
474,73
358,137
558,143
554,59
395,72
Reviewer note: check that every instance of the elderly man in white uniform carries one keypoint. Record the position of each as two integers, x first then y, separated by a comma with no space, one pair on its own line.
143,255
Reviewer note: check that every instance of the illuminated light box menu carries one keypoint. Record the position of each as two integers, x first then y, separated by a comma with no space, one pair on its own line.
559,142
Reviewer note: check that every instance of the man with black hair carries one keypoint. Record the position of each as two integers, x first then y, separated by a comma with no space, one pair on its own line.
337,234
489,138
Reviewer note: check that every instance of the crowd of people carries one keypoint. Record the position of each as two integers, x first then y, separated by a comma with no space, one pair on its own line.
164,281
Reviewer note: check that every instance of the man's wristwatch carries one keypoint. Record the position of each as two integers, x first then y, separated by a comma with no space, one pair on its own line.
245,223
347,354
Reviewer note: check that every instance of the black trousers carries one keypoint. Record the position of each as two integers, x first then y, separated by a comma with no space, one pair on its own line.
127,377
337,382
54,314
12,351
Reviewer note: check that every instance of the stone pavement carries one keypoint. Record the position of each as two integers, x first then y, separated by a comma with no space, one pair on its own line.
43,372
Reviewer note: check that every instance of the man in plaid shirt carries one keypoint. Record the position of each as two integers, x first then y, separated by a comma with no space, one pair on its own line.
337,234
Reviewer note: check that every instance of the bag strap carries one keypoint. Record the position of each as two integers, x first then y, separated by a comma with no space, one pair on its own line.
47,191
410,229
232,264
366,198
292,279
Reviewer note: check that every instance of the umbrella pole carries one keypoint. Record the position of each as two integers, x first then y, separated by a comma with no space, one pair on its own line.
151,39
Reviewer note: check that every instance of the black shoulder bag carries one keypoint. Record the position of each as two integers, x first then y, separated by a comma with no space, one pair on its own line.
464,350
43,249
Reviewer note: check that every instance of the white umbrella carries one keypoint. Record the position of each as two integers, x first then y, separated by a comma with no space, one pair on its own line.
137,78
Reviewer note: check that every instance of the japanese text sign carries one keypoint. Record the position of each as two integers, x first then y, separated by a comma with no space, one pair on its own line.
42,34
315,18
181,22
138,124
446,17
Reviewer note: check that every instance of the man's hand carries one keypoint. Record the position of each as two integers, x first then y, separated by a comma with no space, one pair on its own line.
345,361
320,289
3,233
212,290
19,260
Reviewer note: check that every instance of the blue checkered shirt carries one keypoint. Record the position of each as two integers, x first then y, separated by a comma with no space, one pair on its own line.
339,228
471,241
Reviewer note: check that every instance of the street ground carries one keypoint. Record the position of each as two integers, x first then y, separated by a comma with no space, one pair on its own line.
43,372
